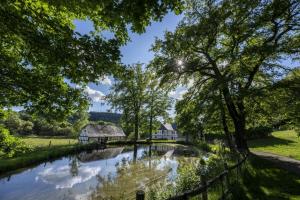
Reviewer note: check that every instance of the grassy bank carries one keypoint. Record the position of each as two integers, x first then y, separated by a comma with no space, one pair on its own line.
42,152
263,180
285,143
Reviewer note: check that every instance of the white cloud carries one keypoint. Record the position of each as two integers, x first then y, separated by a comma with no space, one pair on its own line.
95,95
177,94
181,93
61,177
190,83
105,80
172,93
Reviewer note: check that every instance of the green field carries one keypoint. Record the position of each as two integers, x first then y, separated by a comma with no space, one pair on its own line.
285,143
263,180
43,142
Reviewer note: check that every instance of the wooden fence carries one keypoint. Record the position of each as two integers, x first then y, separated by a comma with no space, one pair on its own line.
223,178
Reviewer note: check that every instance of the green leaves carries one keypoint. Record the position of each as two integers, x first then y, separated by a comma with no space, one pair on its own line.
140,98
239,45
39,48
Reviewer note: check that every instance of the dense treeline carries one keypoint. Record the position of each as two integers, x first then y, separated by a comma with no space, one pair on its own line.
22,124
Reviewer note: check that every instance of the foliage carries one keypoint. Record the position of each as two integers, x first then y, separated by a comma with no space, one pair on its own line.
139,97
16,125
128,95
11,146
189,177
22,123
235,46
157,104
200,144
39,42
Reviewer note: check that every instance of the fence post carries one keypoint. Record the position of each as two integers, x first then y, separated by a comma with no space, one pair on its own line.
204,184
50,143
140,195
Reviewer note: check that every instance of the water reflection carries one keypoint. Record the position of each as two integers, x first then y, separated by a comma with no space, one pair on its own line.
112,173
63,177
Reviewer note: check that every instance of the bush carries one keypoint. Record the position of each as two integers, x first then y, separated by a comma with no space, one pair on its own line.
259,132
203,145
11,145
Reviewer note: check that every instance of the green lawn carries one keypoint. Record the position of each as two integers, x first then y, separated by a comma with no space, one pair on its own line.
264,181
286,143
43,142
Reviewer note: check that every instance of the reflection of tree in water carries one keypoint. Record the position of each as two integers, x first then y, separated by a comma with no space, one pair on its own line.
74,165
131,175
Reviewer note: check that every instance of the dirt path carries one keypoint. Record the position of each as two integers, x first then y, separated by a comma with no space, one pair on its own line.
287,163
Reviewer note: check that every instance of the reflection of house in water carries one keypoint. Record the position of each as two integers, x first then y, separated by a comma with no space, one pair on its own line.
161,149
100,133
100,154
178,150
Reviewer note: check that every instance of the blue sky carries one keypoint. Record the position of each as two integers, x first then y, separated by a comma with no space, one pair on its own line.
137,50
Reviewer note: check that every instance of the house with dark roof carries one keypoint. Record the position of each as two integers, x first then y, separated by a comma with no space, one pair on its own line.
100,133
166,132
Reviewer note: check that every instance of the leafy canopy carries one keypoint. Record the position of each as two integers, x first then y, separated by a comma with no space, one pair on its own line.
40,50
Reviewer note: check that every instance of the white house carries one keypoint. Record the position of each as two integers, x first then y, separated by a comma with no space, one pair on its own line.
167,132
100,133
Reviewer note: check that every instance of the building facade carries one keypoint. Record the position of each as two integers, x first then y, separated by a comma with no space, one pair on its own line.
166,132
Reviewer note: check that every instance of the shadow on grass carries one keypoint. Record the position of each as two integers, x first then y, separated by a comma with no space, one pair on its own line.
269,141
263,181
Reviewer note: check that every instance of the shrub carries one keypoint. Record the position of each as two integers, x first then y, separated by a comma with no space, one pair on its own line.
11,145
203,145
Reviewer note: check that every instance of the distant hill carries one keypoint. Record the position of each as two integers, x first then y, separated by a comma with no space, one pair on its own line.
105,116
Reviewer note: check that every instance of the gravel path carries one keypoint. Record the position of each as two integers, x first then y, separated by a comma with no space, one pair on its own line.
287,163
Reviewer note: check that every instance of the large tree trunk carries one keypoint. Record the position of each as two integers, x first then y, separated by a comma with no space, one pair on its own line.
240,132
238,120
224,123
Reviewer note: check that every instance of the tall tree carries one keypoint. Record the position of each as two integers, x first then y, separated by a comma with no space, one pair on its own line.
128,95
158,103
38,41
234,43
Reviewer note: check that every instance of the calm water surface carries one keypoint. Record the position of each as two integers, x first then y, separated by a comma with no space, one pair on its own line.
112,173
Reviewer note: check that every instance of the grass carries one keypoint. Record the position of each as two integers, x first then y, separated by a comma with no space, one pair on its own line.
42,152
285,143
43,142
264,181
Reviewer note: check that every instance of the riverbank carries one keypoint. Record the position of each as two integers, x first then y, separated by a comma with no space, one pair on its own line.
39,155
